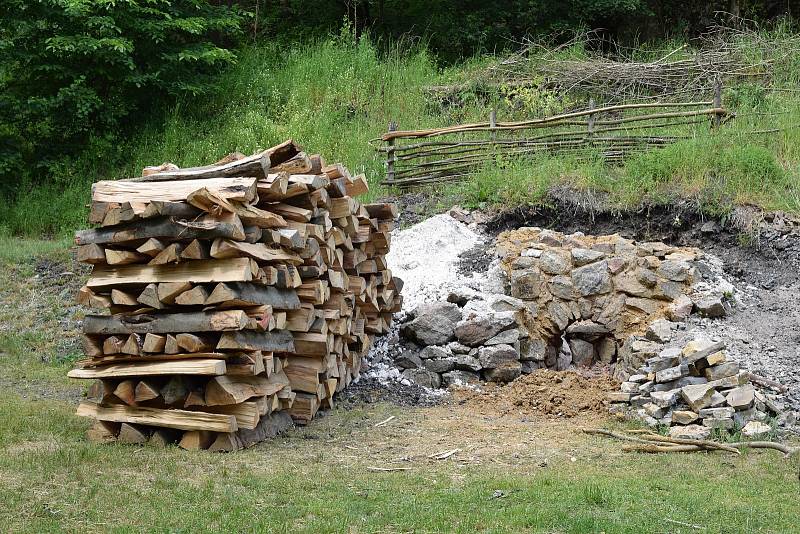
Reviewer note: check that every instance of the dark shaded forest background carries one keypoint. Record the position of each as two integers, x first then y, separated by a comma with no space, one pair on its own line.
78,77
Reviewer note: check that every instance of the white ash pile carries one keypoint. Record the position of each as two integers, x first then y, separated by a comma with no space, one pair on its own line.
696,389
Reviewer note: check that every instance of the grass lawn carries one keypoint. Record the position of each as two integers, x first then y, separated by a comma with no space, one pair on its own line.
317,480
511,473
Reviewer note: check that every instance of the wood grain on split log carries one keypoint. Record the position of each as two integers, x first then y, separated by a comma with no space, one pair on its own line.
213,321
244,294
228,270
180,419
241,189
199,366
206,227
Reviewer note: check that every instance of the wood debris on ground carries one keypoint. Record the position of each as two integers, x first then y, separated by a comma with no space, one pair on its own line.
235,298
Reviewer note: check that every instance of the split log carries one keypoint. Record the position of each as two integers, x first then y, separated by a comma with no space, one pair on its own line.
180,419
222,390
207,227
200,366
146,390
132,434
229,270
123,257
91,253
196,440
224,248
194,297
158,324
125,391
153,343
234,294
274,341
168,291
121,191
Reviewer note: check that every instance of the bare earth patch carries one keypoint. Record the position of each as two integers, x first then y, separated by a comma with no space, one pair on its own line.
545,392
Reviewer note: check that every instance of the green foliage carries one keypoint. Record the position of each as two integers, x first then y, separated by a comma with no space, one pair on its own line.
73,69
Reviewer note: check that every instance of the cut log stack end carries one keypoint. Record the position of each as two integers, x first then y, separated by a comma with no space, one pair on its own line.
240,297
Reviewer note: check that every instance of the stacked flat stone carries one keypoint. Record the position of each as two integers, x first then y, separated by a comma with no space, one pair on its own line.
693,390
588,293
466,344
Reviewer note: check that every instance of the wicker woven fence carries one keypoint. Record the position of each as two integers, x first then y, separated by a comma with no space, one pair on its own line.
419,157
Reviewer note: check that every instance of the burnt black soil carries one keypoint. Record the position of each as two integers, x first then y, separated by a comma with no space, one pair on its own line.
415,207
766,258
476,259
369,390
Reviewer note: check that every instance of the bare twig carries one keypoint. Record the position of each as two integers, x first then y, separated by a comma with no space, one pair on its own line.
385,421
387,469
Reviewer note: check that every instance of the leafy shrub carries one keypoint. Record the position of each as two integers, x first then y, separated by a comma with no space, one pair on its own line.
70,69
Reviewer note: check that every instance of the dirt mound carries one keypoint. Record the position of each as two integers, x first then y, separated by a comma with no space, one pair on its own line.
547,392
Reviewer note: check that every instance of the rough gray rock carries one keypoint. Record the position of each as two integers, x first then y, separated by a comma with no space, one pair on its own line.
458,348
506,337
582,352
466,362
710,306
583,256
646,277
684,417
460,378
477,330
741,398
449,310
606,350
533,350
504,303
680,309
508,372
756,429
660,331
672,373
423,377
723,370
526,284
555,261
717,413
497,356
561,286
408,360
433,353
698,397
587,328
434,324
529,367
689,432
460,296
439,366
592,279
675,270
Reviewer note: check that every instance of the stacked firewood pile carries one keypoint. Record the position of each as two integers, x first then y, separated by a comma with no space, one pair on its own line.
241,296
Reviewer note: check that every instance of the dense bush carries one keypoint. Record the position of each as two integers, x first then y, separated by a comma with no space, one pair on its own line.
71,70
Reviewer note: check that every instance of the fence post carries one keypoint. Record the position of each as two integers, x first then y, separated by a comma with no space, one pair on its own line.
390,155
493,124
590,120
717,102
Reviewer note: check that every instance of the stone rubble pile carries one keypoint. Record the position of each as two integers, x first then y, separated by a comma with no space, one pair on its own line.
695,389
484,340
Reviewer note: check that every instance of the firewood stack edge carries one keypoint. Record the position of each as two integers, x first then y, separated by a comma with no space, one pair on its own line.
241,297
